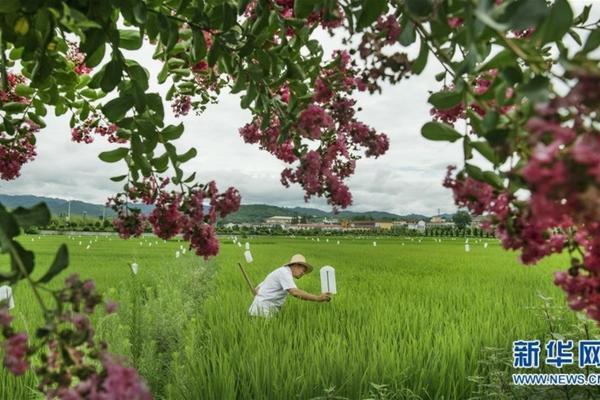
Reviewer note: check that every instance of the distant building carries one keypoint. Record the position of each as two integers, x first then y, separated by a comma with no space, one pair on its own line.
384,225
419,226
399,224
478,221
278,220
321,226
330,221
363,224
439,222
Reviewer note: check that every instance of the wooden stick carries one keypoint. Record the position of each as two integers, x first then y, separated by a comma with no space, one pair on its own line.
250,285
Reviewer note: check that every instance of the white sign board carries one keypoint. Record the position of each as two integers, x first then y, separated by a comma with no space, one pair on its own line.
6,294
248,256
328,279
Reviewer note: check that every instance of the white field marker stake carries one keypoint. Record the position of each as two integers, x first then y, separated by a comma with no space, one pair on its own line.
374,244
177,254
467,247
248,256
6,294
239,244
485,245
328,280
247,246
134,268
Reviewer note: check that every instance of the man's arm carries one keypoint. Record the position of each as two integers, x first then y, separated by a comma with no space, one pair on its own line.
301,294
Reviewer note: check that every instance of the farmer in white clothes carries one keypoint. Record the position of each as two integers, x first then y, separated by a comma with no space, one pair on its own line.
270,294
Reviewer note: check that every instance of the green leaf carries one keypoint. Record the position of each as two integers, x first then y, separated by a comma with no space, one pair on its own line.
139,75
592,42
130,39
371,9
117,108
14,107
445,99
61,261
140,12
115,155
493,179
474,171
96,57
249,96
483,16
303,8
190,178
113,72
294,71
27,260
524,14
502,59
419,64
485,150
420,8
38,215
172,132
188,155
8,227
408,35
198,46
23,90
118,178
9,6
155,104
558,22
161,163
536,90
440,131
37,119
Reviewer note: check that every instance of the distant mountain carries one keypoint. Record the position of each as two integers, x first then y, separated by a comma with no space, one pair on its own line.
248,213
59,206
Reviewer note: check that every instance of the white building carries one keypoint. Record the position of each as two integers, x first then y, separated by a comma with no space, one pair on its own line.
278,220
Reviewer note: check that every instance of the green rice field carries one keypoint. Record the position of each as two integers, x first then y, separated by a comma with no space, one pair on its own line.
412,318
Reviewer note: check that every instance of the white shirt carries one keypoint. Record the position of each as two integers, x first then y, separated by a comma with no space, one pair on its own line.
6,294
272,292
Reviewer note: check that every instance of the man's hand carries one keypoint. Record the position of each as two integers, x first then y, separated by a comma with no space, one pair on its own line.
301,294
323,297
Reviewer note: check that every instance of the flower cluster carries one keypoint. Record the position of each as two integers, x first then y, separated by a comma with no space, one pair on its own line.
328,18
74,365
328,120
84,131
481,85
16,350
16,151
75,55
129,222
379,64
9,94
193,213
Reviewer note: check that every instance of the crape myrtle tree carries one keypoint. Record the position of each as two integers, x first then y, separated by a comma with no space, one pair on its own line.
518,85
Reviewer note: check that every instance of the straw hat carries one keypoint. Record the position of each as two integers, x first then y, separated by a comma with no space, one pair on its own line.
299,259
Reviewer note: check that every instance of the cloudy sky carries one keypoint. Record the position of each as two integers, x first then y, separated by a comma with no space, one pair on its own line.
406,179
